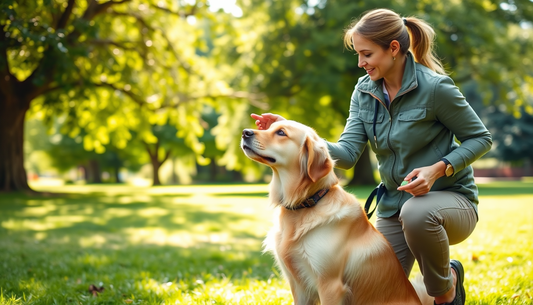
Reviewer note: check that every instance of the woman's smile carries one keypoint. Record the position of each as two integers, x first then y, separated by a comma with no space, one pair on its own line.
369,70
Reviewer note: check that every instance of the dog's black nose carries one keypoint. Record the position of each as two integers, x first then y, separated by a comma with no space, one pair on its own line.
247,133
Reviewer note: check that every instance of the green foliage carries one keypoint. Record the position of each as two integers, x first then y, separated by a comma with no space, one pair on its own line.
513,137
65,153
114,71
511,129
202,245
111,69
293,52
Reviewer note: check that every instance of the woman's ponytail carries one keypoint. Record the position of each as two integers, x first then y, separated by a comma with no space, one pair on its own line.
422,41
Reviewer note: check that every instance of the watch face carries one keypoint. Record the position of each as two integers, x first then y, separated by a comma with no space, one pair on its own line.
449,170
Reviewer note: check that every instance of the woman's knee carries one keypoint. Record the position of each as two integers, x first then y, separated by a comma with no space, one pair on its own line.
415,216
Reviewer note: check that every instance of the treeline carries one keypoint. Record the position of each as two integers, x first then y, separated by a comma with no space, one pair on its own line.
137,82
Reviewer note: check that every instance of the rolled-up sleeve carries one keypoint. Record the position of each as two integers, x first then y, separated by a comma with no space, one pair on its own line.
455,113
353,139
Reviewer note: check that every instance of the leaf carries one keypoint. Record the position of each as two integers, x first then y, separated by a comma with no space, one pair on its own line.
95,290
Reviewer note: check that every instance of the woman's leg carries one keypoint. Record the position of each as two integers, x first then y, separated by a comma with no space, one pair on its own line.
391,228
430,224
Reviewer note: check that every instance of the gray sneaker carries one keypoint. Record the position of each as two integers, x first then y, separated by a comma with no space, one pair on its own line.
460,295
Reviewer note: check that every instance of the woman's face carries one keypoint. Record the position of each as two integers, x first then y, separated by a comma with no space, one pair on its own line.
376,61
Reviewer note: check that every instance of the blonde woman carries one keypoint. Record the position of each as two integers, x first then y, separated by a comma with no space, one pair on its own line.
410,112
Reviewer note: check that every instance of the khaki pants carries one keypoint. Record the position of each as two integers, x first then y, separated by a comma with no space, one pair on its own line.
424,229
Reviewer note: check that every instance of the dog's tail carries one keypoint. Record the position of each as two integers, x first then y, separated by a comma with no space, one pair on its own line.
420,288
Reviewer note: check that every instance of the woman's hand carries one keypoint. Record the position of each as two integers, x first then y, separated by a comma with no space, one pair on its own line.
422,179
264,120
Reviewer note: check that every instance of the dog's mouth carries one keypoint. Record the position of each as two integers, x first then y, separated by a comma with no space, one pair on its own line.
249,149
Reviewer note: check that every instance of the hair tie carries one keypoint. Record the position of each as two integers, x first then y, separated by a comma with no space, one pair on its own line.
404,21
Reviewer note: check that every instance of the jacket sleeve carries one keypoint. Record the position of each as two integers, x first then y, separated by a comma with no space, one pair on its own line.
455,113
353,139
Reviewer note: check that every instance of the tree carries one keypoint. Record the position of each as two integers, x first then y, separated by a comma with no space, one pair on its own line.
47,148
105,67
166,145
293,52
512,136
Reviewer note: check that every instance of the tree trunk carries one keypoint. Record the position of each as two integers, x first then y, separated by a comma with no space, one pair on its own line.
93,172
155,169
117,174
363,171
12,173
154,159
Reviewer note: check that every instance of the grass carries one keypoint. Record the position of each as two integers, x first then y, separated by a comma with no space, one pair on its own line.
202,245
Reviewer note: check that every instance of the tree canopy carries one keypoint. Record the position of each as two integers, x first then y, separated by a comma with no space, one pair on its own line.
292,51
107,69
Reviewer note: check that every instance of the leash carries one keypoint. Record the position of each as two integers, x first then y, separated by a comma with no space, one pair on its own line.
378,191
311,201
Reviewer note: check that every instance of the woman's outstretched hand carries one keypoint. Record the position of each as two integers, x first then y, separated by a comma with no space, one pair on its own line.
264,120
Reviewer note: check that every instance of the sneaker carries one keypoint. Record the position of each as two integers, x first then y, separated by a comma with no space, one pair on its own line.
460,296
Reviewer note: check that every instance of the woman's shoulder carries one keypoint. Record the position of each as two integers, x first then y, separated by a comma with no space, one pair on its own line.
425,72
427,77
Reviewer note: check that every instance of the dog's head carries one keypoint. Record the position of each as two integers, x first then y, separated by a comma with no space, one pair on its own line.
289,148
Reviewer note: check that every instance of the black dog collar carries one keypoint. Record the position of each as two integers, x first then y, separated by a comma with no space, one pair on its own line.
311,201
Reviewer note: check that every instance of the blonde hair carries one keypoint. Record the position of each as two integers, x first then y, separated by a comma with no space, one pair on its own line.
382,26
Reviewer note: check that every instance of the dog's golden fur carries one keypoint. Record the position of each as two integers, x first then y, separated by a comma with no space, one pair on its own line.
329,253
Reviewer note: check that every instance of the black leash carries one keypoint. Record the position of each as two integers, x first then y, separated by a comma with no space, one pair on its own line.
378,191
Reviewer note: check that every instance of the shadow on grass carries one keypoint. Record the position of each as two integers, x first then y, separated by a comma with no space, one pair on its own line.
87,215
54,247
61,273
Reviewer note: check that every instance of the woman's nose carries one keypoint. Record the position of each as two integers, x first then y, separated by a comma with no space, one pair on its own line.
361,63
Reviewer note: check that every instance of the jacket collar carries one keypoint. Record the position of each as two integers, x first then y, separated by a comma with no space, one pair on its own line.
409,81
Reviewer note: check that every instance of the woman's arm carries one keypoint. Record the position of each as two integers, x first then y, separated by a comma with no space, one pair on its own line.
353,139
351,143
455,113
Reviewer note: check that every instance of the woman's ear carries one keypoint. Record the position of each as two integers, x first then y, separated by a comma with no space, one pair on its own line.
395,48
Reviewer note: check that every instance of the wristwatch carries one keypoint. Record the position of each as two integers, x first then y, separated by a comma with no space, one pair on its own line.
449,167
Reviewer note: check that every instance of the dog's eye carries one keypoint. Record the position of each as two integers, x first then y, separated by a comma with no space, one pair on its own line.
281,133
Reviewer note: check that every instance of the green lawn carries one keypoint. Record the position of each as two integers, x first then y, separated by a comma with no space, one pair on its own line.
202,245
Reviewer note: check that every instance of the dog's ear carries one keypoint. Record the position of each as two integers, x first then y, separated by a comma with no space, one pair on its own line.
318,163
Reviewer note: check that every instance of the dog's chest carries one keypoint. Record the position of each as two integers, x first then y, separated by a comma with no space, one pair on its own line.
312,255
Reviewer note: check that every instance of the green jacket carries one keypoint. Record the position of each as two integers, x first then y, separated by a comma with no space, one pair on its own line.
417,130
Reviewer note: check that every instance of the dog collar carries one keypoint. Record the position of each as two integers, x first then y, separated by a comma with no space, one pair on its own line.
311,201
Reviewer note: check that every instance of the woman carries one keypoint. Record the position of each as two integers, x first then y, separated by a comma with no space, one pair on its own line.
410,111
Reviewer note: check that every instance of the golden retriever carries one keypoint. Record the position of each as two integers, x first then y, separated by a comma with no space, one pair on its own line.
329,252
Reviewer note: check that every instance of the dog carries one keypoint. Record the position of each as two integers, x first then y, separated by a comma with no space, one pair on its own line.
321,239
